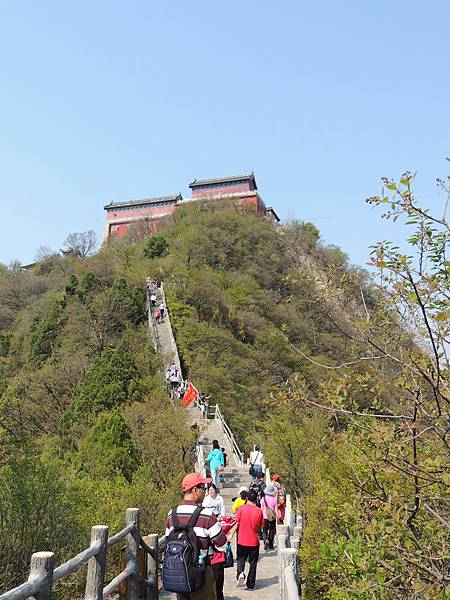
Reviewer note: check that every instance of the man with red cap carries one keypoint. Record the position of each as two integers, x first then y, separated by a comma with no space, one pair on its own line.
207,529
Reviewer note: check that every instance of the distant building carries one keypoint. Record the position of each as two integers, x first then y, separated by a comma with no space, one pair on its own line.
240,188
120,215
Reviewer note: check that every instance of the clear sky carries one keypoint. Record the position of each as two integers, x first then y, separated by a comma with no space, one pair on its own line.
109,100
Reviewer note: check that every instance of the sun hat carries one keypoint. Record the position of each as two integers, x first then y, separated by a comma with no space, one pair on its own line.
191,480
270,490
275,477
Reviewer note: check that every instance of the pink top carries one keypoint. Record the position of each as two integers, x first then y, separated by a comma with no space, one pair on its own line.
268,502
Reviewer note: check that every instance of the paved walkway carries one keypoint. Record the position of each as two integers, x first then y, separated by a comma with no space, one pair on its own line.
235,476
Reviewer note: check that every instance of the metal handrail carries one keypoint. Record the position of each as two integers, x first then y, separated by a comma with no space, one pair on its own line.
230,436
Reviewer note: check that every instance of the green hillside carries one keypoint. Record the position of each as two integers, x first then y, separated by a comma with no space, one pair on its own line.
302,351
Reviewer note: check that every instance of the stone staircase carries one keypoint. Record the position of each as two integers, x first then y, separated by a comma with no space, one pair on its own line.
235,476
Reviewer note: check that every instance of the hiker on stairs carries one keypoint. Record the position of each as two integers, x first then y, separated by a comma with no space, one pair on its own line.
216,461
215,501
210,537
249,523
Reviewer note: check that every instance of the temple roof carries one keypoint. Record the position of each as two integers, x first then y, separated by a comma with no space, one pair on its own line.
234,178
159,200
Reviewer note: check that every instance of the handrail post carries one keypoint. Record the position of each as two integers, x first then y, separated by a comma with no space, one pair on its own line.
95,578
41,567
131,554
151,590
287,561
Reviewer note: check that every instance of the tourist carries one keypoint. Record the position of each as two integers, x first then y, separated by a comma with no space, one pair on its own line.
153,301
249,521
241,499
215,501
162,308
209,533
225,464
258,485
269,505
257,461
157,316
215,459
281,498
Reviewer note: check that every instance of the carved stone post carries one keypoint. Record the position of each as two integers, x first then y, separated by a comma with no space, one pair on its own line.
41,567
287,561
95,578
131,554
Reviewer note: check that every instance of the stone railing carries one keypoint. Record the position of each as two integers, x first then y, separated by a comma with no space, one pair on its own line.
173,344
141,564
288,542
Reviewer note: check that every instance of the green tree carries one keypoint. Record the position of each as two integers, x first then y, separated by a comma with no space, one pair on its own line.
113,380
108,449
156,246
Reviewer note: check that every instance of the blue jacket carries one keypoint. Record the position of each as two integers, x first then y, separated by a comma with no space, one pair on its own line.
215,458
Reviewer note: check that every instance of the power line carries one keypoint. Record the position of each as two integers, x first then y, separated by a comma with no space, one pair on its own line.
361,210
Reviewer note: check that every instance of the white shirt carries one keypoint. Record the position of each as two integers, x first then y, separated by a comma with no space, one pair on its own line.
256,457
217,504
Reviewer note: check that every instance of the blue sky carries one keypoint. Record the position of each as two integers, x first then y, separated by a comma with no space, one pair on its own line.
107,100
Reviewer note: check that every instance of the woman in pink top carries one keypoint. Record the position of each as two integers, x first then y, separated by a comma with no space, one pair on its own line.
269,507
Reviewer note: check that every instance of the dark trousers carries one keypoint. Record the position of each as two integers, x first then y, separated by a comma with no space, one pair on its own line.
269,532
250,553
219,572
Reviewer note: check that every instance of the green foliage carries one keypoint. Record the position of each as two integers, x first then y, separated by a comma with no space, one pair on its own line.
156,246
108,449
39,508
5,344
112,381
71,285
44,332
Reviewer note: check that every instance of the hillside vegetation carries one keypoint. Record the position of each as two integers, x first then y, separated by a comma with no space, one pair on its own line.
329,372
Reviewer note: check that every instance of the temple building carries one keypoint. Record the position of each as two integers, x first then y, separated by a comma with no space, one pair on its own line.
242,189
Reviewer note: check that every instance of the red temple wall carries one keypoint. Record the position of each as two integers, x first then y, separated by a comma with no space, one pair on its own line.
218,191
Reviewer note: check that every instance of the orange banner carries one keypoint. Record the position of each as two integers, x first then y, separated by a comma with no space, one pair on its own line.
189,395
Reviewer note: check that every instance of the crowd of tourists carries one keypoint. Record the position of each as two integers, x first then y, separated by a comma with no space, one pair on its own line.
198,530
256,511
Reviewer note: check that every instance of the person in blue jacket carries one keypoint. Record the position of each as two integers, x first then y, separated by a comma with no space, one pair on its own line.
216,460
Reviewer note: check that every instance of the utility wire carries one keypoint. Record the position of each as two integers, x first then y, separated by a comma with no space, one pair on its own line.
361,210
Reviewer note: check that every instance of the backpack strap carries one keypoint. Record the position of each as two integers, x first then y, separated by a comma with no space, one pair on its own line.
256,458
194,517
192,520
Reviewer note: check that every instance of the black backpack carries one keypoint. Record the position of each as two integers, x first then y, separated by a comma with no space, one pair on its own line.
182,571
259,489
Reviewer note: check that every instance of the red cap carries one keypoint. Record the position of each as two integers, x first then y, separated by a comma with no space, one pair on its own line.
192,480
275,477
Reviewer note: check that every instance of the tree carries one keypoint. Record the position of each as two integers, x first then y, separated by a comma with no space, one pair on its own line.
80,244
156,246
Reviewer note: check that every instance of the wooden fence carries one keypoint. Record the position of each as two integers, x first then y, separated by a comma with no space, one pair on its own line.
43,572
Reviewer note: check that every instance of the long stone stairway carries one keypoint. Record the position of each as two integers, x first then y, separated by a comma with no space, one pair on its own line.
235,474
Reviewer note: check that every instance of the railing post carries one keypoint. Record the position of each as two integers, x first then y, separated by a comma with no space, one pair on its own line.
131,554
287,561
41,567
282,530
95,578
151,590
